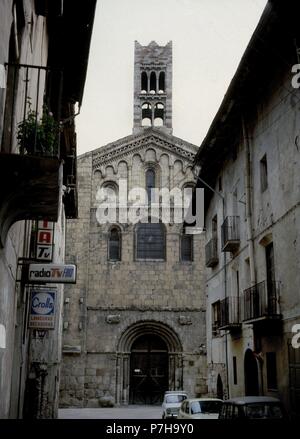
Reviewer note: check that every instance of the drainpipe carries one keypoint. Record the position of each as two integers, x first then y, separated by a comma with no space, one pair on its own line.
225,274
248,190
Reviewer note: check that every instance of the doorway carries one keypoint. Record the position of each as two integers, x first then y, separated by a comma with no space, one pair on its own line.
220,390
251,374
148,370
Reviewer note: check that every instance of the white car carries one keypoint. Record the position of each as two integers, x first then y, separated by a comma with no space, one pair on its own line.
172,402
200,408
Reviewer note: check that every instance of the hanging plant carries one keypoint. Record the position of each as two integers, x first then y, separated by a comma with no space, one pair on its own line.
38,136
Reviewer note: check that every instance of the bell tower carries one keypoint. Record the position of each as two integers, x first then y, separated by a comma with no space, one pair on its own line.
152,87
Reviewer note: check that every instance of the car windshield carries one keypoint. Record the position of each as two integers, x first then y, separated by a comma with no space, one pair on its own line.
205,407
175,398
262,411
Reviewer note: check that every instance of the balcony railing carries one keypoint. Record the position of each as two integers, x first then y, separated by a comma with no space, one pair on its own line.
262,301
230,234
230,313
211,253
32,110
31,169
215,328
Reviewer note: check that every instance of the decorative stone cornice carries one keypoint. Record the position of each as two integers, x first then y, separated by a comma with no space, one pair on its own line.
126,146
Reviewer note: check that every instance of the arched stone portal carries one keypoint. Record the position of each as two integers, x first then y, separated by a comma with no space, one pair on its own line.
149,361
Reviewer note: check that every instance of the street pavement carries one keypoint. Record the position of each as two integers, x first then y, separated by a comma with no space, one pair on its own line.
127,412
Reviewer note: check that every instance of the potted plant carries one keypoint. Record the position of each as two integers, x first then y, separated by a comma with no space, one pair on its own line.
38,136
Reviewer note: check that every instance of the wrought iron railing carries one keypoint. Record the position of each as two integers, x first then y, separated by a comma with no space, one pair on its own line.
230,233
262,300
230,312
32,110
211,253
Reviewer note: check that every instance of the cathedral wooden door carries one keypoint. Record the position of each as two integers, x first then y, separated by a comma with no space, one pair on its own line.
148,370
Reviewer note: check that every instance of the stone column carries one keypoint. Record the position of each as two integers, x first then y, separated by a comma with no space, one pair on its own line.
172,381
125,387
171,176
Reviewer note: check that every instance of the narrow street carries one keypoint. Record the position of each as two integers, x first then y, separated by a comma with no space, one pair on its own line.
128,412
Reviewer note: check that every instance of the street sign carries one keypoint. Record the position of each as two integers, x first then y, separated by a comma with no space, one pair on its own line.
52,273
42,308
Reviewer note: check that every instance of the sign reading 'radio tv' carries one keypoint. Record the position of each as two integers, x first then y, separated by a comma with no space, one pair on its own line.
52,273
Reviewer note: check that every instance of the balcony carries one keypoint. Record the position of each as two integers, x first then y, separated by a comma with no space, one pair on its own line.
261,302
31,170
211,253
230,313
230,234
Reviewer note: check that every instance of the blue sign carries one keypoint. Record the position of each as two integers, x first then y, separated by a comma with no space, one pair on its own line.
42,309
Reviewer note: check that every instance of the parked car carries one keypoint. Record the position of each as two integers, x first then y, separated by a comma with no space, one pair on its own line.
200,408
253,407
172,402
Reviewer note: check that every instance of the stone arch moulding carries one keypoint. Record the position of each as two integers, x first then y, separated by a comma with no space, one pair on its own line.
124,344
150,155
188,183
149,327
108,226
108,182
163,156
98,173
108,167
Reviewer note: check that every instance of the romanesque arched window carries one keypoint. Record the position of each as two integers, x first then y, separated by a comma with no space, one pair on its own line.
144,82
150,241
146,114
114,244
186,247
161,82
159,114
153,82
150,184
110,192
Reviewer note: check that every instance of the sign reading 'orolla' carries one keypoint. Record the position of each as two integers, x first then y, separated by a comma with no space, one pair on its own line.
52,273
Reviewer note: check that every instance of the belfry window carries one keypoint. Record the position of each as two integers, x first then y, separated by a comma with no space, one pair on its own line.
146,114
153,82
144,82
159,114
161,82
150,241
114,244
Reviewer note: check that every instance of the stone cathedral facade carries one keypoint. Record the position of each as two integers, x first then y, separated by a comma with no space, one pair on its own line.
134,323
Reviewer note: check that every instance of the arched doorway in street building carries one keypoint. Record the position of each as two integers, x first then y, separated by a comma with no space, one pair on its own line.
148,370
220,389
149,362
251,374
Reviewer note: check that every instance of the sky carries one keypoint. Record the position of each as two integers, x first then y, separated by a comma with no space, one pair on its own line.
209,38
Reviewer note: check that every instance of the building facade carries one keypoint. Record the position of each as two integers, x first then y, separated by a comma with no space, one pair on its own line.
249,164
37,185
134,323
